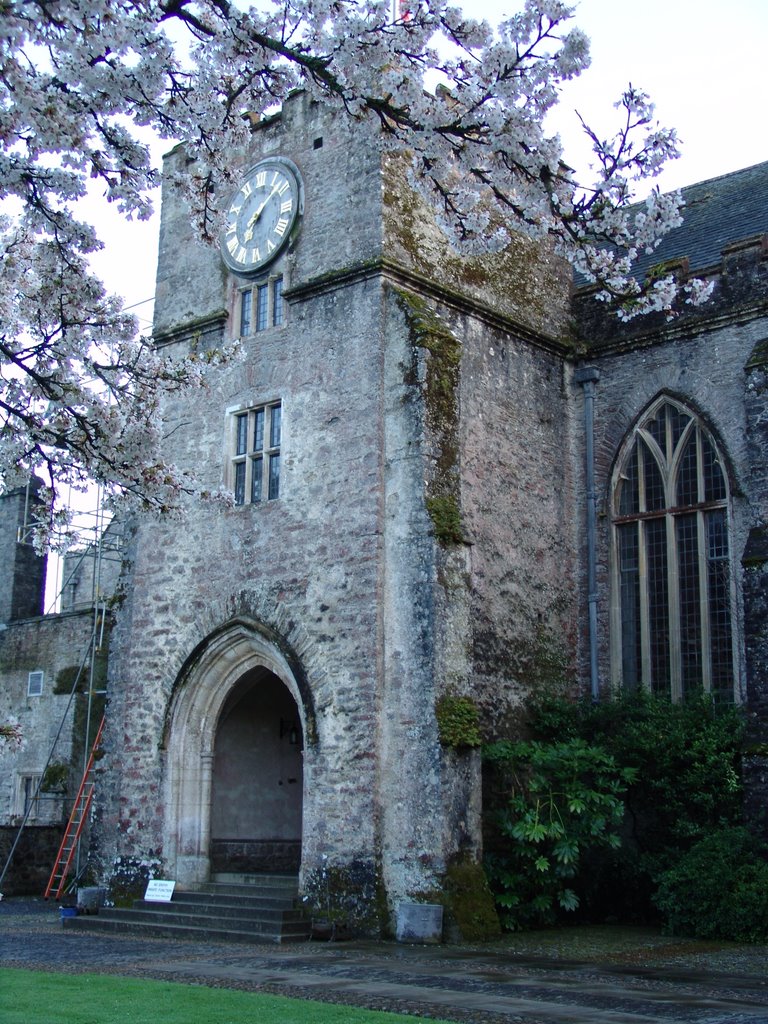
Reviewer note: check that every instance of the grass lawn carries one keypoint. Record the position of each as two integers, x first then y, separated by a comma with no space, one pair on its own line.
37,997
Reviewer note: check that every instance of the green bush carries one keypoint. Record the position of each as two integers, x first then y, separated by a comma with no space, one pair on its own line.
55,778
687,758
563,801
685,785
718,889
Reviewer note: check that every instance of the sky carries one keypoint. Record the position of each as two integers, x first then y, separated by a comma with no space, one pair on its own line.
703,62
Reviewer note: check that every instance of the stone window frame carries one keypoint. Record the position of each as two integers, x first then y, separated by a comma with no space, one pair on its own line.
690,594
28,795
261,306
36,689
255,446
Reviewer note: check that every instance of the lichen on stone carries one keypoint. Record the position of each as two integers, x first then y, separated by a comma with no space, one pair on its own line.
758,356
441,412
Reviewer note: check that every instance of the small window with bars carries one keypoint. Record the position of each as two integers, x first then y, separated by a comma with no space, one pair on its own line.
256,458
35,684
262,307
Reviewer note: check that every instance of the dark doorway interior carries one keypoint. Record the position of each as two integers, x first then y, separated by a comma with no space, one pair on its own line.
257,779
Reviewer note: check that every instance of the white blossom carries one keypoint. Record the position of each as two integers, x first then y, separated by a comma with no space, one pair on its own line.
81,80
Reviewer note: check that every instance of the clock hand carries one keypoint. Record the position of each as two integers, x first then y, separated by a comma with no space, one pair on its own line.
257,213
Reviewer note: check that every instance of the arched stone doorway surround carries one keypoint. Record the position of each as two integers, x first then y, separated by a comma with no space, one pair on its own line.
200,694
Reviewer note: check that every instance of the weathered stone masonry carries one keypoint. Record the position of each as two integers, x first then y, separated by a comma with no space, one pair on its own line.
276,666
402,395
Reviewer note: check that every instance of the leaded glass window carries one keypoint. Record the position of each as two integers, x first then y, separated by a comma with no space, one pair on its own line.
256,459
672,612
246,309
262,307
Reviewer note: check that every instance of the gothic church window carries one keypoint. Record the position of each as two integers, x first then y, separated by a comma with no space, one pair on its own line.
256,459
672,608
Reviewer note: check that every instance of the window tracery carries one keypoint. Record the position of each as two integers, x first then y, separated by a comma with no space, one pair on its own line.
673,605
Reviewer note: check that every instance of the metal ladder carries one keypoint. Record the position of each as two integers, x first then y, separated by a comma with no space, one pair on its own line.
78,817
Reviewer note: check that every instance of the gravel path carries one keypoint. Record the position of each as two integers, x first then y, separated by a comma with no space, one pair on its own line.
586,975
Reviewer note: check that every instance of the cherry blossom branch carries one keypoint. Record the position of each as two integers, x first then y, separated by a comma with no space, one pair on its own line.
80,79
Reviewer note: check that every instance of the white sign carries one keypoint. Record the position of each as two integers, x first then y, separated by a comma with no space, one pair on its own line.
159,890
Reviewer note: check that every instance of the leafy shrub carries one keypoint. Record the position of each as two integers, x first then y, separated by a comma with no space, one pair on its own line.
718,889
563,800
66,678
687,758
685,784
55,778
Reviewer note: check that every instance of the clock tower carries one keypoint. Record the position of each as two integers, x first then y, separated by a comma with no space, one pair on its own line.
286,659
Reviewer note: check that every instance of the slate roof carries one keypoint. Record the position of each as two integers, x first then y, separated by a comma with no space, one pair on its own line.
717,212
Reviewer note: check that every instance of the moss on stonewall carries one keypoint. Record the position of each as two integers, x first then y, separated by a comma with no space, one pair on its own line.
470,912
347,898
446,519
470,902
55,778
67,677
430,333
758,356
440,392
458,721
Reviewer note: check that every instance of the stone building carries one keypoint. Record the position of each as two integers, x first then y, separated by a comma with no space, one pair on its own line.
453,478
52,681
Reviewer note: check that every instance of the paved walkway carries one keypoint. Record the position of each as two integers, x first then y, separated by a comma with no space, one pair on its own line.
560,978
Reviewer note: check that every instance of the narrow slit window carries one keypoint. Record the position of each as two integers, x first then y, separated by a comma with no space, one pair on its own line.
246,309
277,301
262,307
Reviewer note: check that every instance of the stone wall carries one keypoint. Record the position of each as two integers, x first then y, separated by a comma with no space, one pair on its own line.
755,573
524,284
347,586
51,724
33,858
91,574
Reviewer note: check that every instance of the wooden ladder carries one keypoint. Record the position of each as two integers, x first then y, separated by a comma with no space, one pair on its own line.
75,825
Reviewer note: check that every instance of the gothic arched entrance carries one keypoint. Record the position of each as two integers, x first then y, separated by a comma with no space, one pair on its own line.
256,789
234,758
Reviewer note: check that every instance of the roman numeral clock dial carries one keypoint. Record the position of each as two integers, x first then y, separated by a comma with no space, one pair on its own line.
261,215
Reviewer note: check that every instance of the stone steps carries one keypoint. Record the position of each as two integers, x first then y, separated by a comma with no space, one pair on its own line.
258,908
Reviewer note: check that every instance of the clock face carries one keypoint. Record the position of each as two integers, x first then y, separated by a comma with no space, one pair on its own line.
261,215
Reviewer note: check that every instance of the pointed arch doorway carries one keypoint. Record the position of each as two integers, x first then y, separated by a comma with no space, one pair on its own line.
256,787
238,705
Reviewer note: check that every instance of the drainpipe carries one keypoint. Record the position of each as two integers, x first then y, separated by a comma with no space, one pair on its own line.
588,376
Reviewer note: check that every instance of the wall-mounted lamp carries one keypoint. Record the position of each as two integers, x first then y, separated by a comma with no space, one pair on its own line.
291,730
